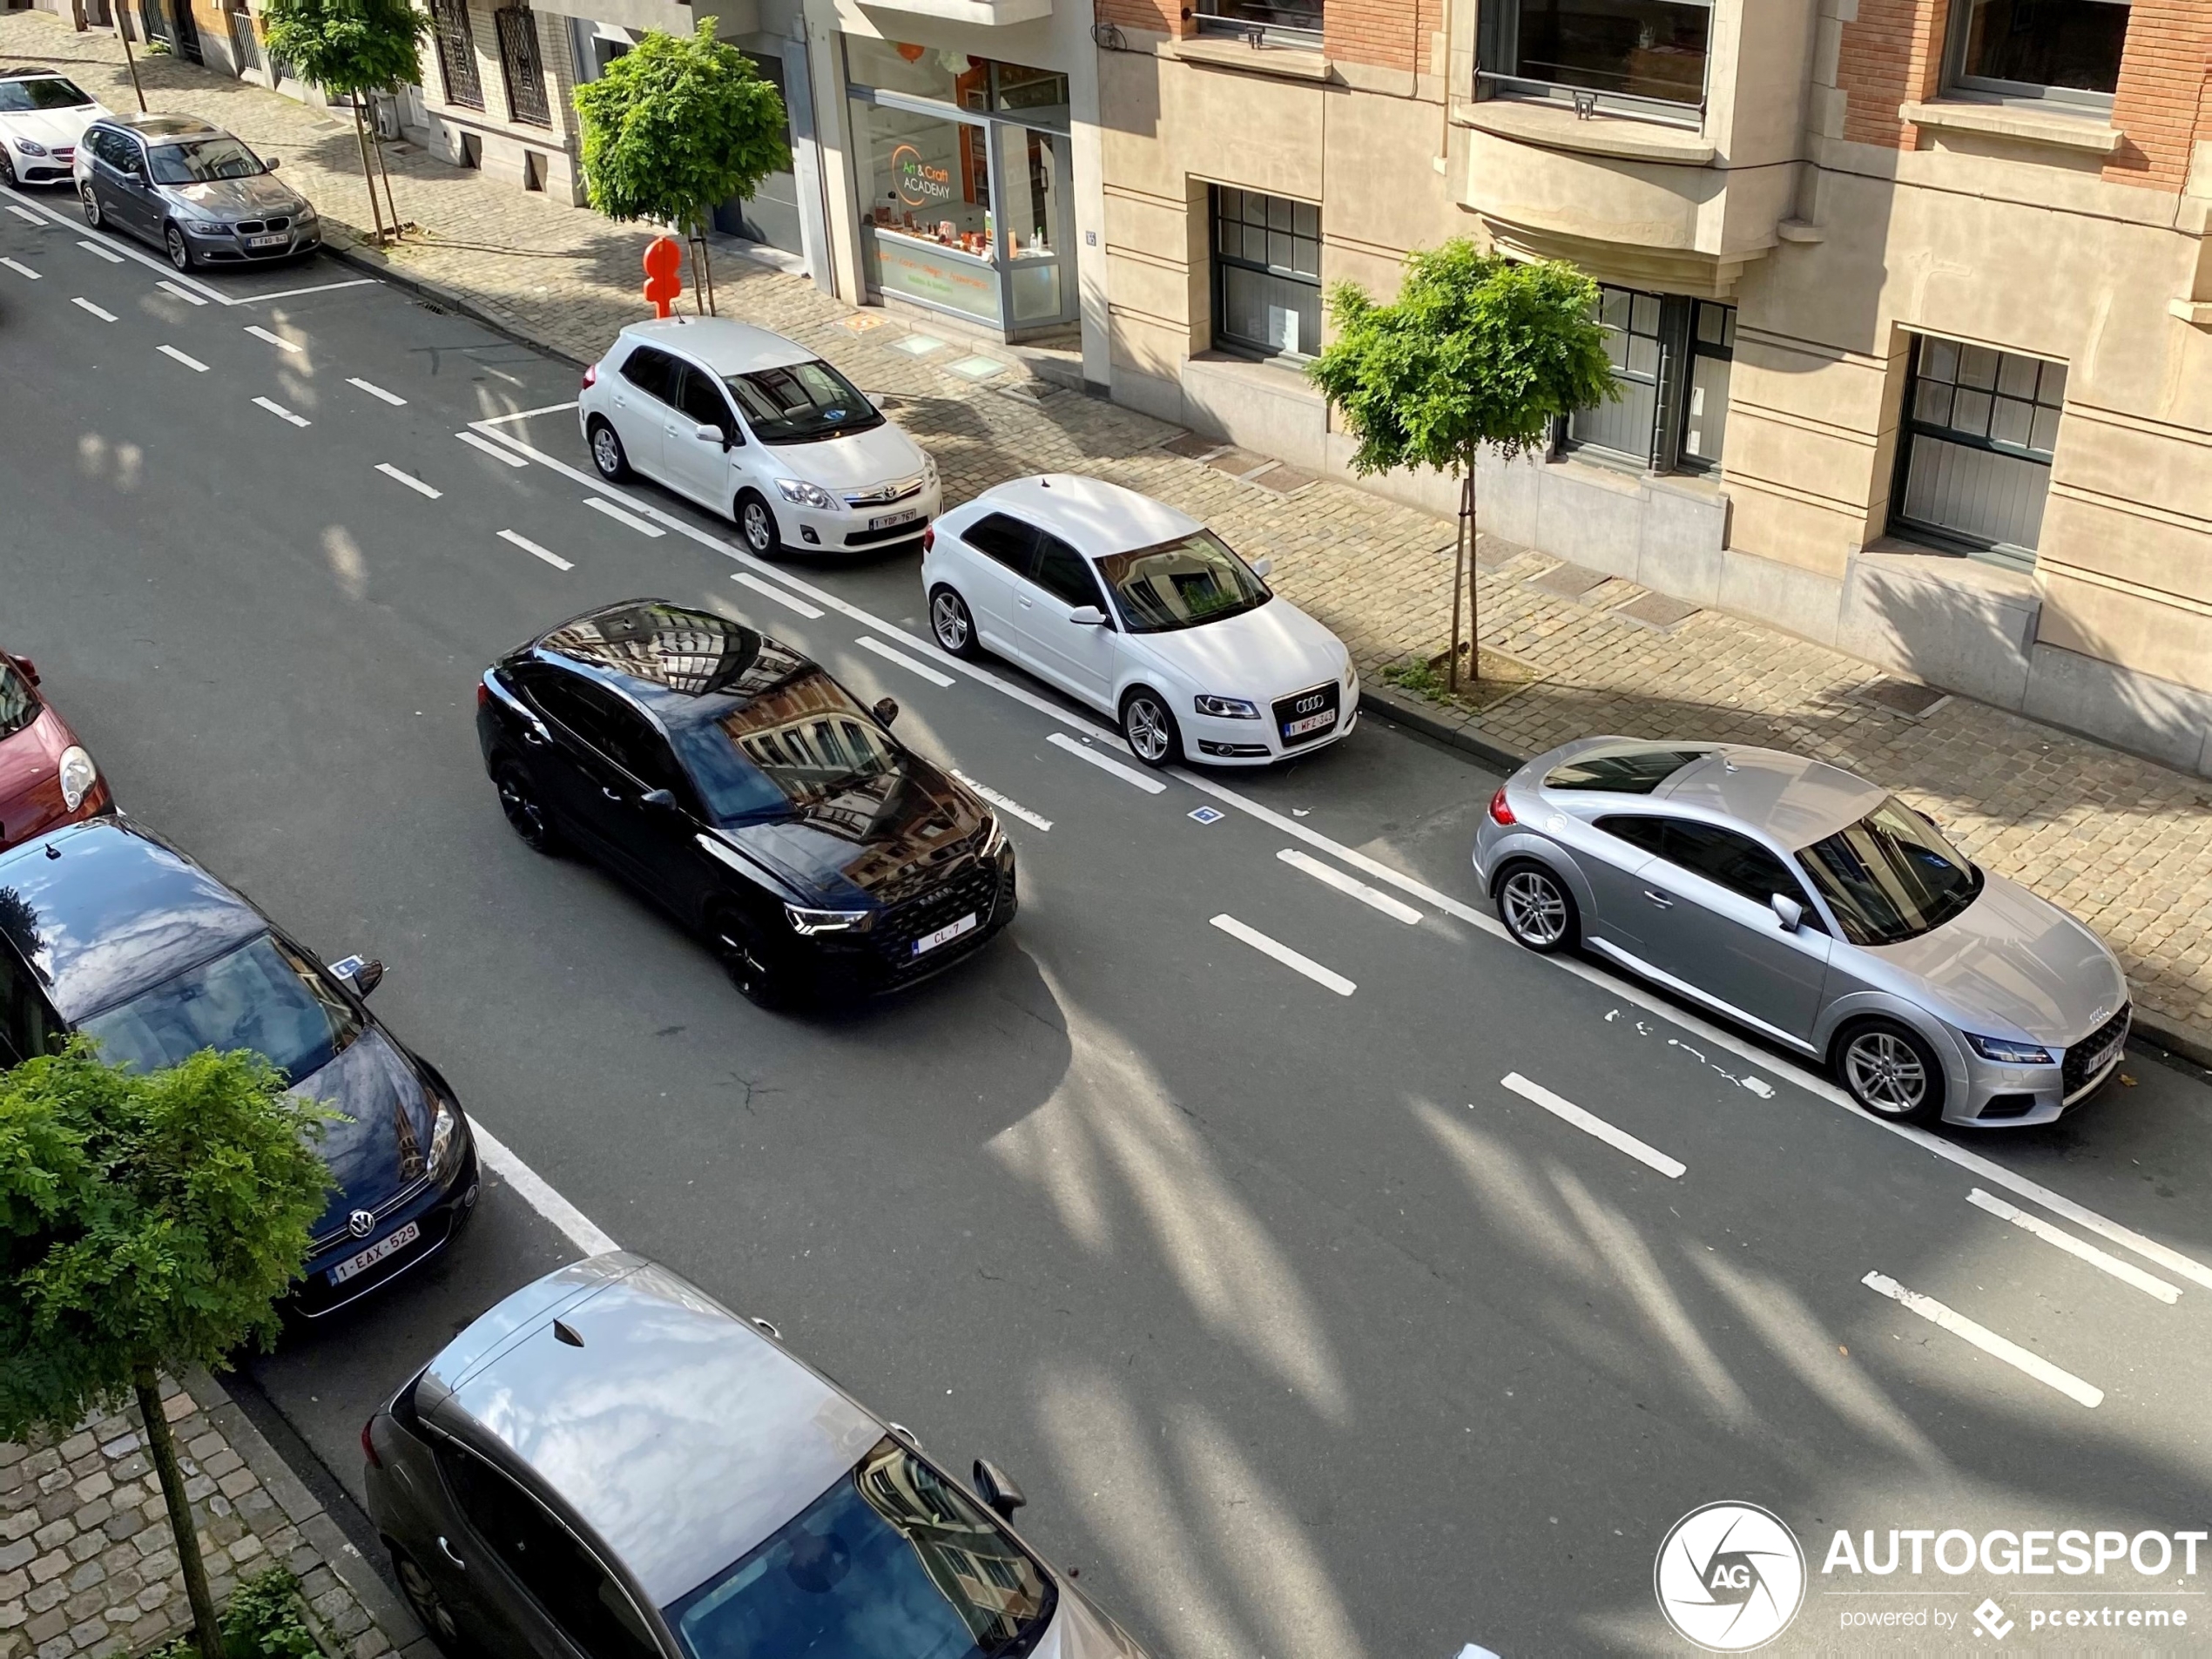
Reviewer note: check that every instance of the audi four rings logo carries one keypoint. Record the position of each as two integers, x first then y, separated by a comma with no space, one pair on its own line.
361,1223
1729,1577
1307,705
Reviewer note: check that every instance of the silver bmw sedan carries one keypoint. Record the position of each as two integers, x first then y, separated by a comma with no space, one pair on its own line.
1814,908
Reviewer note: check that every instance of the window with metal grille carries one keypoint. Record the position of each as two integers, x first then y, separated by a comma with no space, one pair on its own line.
1980,427
524,69
457,53
1267,273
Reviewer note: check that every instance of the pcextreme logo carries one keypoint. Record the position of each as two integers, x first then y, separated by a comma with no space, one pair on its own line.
1729,1577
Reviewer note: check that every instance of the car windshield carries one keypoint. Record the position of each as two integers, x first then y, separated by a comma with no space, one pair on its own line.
1621,772
1891,876
199,160
18,702
894,1562
51,92
1181,584
261,997
801,404
798,743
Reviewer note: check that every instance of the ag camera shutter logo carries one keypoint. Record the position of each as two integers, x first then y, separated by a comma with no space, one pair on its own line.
1729,1577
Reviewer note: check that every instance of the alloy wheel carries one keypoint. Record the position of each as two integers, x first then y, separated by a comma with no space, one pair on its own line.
748,965
759,525
606,452
92,207
525,816
179,254
949,619
430,1610
1885,1072
1535,910
1145,725
7,169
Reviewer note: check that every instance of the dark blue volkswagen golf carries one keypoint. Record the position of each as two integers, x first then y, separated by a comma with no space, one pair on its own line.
110,931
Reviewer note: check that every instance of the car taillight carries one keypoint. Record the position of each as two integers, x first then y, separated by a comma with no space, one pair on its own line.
368,1445
591,375
484,693
928,538
1500,812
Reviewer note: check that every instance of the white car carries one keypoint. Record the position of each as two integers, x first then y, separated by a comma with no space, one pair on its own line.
1143,613
42,116
750,424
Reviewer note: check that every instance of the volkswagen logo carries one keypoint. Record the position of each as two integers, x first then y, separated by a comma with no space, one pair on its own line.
1729,1577
361,1223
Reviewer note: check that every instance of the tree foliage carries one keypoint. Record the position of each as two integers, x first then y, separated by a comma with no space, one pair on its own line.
677,125
146,1221
1476,350
347,46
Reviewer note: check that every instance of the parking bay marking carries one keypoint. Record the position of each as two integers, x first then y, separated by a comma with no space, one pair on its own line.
278,340
903,660
193,363
1012,809
82,304
534,1190
1331,876
281,413
185,294
1127,774
1988,1341
374,390
789,601
1590,1123
21,269
1299,963
491,449
27,216
621,518
90,246
2125,1272
528,546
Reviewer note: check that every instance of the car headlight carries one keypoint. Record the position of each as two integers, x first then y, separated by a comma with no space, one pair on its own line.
2007,1053
30,147
929,468
1224,708
207,227
78,775
804,920
806,494
994,837
445,1142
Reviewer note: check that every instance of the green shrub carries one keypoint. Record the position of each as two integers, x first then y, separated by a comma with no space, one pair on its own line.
262,1621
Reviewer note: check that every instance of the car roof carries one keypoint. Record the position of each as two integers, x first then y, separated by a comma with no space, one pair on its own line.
1096,517
725,346
101,910
29,72
683,664
674,1430
161,125
1794,799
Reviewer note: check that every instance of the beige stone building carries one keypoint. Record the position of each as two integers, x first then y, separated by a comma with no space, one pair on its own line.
1911,300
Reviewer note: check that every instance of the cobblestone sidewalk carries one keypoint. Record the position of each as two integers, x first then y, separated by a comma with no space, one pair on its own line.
88,1566
2124,843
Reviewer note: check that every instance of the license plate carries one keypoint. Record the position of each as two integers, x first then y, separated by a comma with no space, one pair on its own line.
375,1253
944,935
2105,1056
1312,722
266,242
884,521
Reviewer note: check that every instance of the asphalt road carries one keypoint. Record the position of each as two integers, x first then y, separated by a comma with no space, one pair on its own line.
1308,1335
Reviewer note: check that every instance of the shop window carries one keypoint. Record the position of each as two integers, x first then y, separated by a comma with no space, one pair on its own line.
1267,273
1644,57
1705,405
2065,49
979,85
1974,466
456,54
522,67
1296,22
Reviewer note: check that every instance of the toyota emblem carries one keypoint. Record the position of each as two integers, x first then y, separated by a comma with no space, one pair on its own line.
361,1223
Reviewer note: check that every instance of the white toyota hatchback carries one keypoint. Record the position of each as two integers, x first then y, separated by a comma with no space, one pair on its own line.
42,117
1143,613
748,423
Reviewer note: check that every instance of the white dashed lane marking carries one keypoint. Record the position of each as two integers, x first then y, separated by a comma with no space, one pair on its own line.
492,450
1127,774
278,340
1329,876
904,661
375,391
1590,1123
109,255
1297,961
1988,1341
409,480
621,518
183,294
21,269
281,413
27,216
193,363
536,551
2125,1272
82,304
790,601
1012,808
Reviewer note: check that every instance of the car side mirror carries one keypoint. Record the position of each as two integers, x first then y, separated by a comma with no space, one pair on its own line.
659,799
269,163
1788,911
998,1492
363,976
1087,616
30,669
885,711
1262,566
707,432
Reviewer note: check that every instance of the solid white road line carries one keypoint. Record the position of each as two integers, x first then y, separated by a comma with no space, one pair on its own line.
25,215
90,246
903,660
409,480
491,449
620,517
280,411
525,414
533,1189
2125,1272
1283,954
1127,774
789,601
123,249
21,269
1987,1340
374,390
82,304
1011,808
185,294
278,340
189,362
293,293
528,546
1331,876
1590,1123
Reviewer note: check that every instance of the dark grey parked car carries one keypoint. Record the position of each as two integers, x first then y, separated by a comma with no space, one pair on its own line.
191,189
611,1465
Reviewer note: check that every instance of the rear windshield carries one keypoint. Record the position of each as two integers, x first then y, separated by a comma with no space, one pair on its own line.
262,996
18,702
199,160
1622,771
1181,584
1892,876
20,97
800,745
801,404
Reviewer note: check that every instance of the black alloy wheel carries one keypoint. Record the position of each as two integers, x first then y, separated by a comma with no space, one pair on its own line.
526,814
952,624
1536,908
7,168
180,250
761,973
607,454
757,524
428,1607
1150,728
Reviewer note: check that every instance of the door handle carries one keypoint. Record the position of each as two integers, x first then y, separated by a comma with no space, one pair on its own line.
614,795
1659,898
1027,604
445,1549
535,739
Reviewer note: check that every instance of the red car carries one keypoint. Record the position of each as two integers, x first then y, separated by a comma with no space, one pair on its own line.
46,778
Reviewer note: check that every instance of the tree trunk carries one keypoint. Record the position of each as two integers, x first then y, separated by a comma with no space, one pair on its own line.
123,27
163,1450
1459,555
1475,600
706,270
383,167
368,172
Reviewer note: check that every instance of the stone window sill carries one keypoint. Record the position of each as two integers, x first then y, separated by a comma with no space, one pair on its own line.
1284,63
1951,570
2082,133
1553,128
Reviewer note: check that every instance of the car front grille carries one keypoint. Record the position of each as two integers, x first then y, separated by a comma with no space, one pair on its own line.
979,889
1302,705
2075,1072
256,227
883,495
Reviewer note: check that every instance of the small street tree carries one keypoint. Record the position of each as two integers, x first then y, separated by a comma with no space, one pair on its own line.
1477,350
352,48
677,125
148,1223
